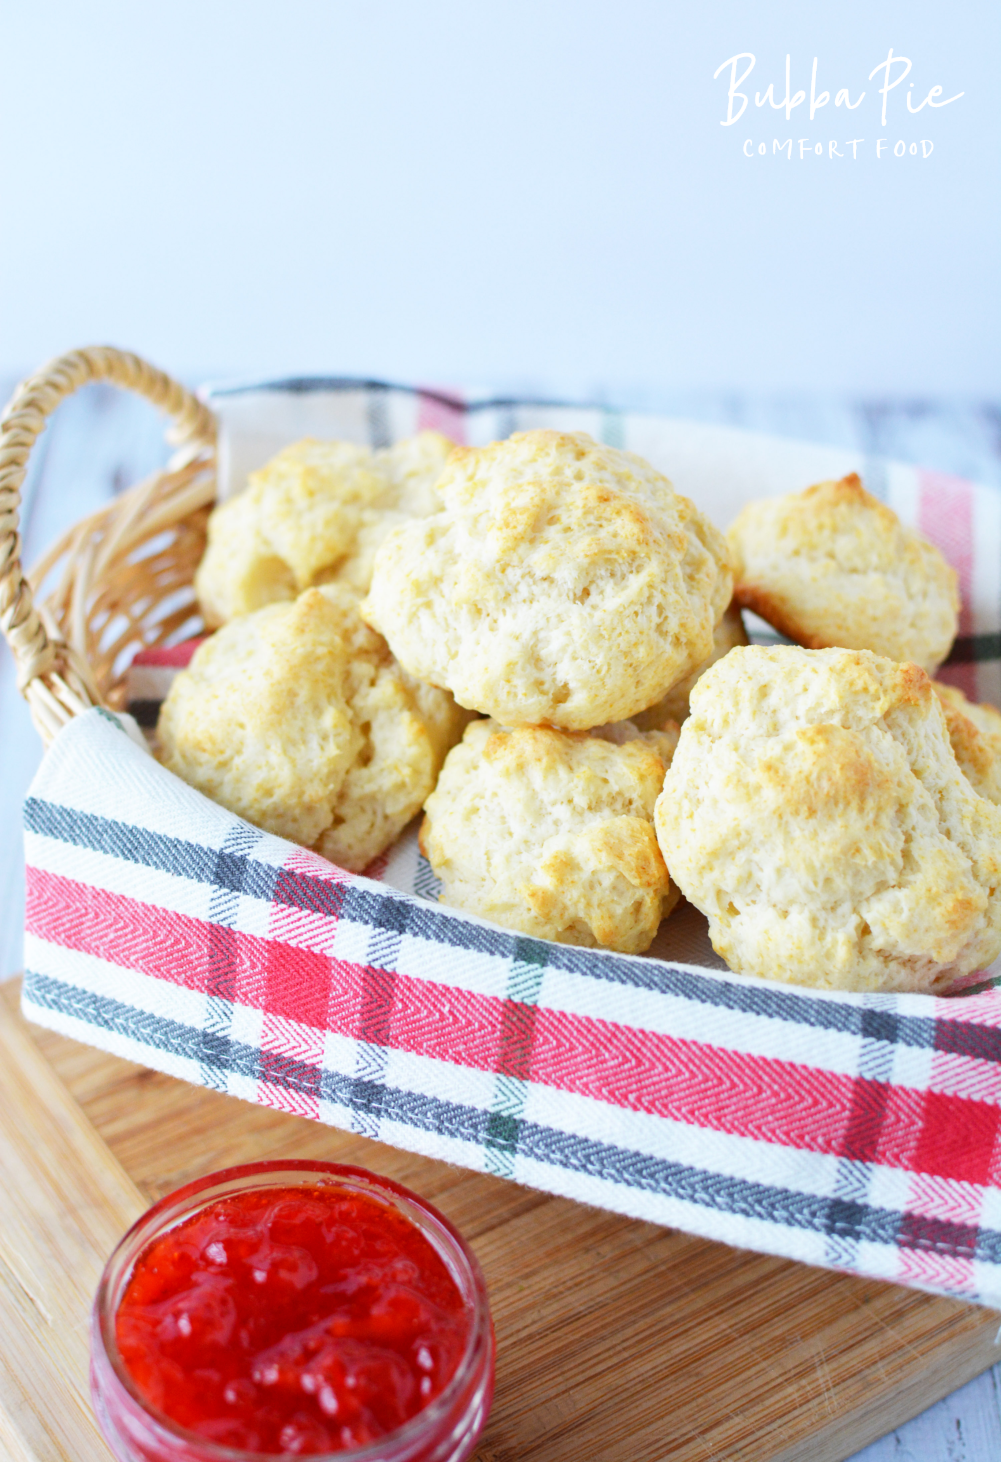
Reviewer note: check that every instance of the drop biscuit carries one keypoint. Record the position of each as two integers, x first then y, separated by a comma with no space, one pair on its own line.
833,566
815,812
564,583
315,513
297,718
551,833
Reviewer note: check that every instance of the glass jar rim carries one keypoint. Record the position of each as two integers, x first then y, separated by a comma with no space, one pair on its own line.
183,1202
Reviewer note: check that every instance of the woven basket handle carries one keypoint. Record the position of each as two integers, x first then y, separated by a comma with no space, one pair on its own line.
49,675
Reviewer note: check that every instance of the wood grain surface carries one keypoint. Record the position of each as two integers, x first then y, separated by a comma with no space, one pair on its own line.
616,1339
64,1203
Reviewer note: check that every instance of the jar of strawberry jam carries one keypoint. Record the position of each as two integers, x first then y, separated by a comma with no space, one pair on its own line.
292,1309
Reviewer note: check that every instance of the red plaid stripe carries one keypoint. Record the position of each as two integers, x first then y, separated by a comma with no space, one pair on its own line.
791,1104
436,412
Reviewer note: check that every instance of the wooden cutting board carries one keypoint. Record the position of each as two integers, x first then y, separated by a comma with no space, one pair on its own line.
617,1341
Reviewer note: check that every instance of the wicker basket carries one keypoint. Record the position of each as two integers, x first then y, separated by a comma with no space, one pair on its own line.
799,1123
124,580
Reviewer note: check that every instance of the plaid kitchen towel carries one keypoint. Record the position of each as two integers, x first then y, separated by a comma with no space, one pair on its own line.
858,1132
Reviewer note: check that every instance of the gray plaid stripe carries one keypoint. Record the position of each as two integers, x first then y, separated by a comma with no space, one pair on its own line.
386,909
853,1177
566,1151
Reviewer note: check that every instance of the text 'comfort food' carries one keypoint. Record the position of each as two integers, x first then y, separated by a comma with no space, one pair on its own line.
298,718
833,566
564,583
814,811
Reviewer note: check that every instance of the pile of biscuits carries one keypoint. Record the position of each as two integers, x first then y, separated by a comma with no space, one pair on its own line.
540,642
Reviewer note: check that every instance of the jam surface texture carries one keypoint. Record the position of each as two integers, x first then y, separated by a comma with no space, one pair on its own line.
296,1320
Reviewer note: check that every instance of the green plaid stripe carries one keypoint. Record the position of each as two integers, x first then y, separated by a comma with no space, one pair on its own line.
973,649
514,1056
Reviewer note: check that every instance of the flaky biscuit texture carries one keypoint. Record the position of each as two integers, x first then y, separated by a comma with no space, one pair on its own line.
814,811
975,734
564,583
297,718
833,566
674,707
551,834
316,512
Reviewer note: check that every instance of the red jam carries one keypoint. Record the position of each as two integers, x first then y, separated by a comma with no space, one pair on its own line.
297,1320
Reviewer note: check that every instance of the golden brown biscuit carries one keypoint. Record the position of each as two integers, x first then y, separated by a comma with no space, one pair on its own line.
833,566
975,734
674,707
815,813
316,512
297,718
551,833
564,583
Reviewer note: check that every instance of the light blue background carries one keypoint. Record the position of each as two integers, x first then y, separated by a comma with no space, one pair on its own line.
525,193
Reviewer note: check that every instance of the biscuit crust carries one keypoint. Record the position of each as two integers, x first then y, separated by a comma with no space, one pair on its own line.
298,719
564,583
814,811
315,513
975,734
833,566
551,834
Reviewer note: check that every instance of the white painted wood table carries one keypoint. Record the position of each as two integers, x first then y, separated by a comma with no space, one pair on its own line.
102,441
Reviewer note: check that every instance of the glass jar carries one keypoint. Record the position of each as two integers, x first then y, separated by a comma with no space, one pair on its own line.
446,1430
